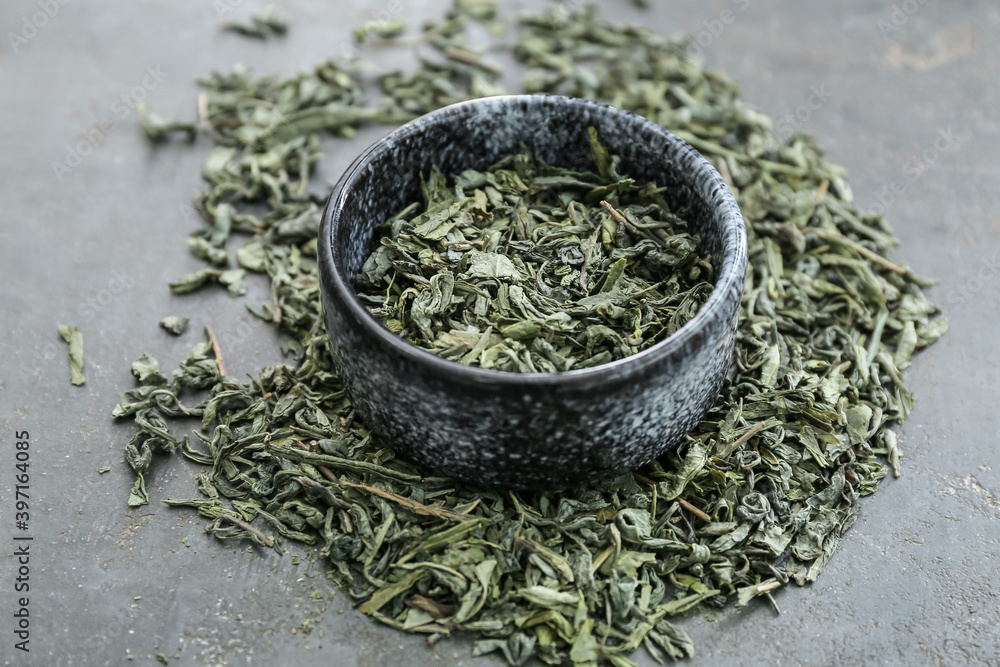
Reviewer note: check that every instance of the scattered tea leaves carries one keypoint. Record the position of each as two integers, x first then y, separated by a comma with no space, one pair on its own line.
761,492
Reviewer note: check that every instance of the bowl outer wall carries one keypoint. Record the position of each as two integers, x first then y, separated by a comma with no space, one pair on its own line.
539,430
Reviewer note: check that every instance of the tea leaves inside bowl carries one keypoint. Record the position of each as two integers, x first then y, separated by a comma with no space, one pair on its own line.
527,267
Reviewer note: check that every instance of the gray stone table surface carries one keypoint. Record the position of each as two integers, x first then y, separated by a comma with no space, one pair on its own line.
905,95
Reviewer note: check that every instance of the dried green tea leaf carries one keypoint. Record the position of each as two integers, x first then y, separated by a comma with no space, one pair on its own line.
74,338
174,325
203,249
378,28
193,281
158,128
232,279
264,24
252,256
138,497
146,370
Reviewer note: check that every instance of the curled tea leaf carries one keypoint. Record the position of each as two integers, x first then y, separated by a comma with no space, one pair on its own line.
264,24
74,338
174,325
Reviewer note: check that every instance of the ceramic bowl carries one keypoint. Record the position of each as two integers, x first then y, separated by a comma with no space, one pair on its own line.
535,430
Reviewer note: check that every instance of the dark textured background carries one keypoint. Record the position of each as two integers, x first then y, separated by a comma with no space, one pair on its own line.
914,582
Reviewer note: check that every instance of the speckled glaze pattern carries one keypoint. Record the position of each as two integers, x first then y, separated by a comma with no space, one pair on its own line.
538,430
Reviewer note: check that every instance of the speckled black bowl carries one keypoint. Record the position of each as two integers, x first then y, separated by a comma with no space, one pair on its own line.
535,430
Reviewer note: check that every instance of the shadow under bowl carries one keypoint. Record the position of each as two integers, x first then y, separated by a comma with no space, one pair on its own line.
532,430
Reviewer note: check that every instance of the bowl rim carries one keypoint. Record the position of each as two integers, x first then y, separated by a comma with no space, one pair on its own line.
705,181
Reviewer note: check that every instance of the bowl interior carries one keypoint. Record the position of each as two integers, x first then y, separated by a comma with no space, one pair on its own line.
476,134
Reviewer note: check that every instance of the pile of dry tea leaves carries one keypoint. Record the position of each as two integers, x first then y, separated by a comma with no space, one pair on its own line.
759,494
527,267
